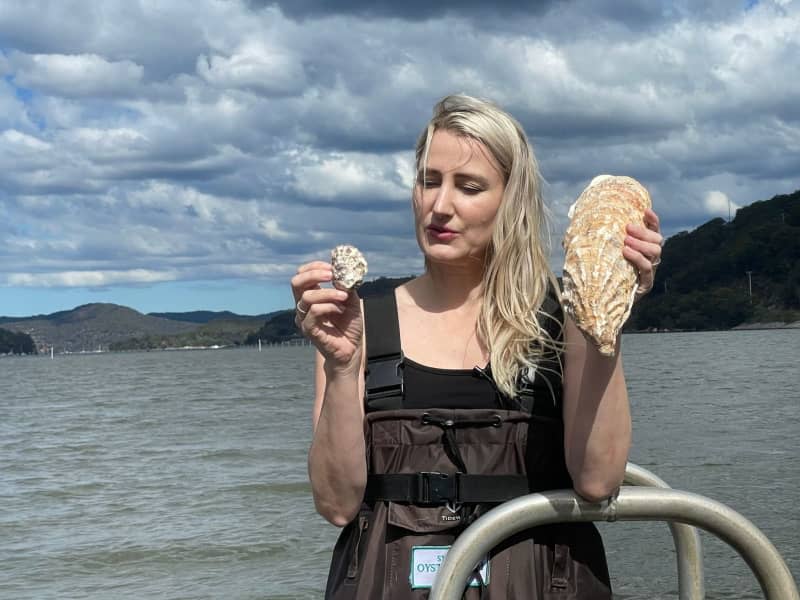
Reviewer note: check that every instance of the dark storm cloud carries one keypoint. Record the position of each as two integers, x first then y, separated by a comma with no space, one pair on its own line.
412,10
165,42
633,15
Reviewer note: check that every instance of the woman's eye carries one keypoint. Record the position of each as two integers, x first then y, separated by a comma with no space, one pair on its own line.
428,183
471,190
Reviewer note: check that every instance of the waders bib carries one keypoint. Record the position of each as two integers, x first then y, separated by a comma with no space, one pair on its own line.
432,471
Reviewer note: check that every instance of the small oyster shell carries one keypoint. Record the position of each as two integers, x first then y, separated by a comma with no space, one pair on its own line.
599,283
349,267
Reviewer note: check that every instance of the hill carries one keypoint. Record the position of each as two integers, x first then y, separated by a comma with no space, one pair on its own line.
218,332
206,316
113,327
91,327
728,274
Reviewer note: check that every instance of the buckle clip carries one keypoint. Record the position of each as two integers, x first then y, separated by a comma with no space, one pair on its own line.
437,488
385,376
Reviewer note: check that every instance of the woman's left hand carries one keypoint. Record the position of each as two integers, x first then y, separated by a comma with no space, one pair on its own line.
643,250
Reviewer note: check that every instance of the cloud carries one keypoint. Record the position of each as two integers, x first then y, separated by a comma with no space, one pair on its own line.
13,112
355,178
22,144
165,38
77,75
413,10
201,140
87,278
255,65
718,204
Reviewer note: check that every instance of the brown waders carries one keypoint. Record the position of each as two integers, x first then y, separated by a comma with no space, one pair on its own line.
434,471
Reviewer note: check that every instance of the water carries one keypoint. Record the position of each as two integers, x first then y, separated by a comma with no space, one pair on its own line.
179,475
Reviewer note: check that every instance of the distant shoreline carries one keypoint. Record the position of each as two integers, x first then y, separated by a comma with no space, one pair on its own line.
742,327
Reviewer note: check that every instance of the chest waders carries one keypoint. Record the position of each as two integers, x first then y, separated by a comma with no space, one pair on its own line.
431,472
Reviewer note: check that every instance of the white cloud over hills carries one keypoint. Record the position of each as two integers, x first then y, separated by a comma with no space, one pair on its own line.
144,142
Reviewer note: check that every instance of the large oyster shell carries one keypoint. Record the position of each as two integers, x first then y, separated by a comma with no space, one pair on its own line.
599,283
349,267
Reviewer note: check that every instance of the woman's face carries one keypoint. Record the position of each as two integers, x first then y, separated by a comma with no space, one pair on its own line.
456,198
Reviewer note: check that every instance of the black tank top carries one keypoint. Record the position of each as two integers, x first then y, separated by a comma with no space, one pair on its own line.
431,387
421,387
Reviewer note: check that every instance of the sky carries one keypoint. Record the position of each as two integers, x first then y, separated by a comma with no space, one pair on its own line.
190,154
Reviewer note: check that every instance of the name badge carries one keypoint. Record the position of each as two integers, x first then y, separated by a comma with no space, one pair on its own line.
425,564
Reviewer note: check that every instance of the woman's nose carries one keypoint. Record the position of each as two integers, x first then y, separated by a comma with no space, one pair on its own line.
443,203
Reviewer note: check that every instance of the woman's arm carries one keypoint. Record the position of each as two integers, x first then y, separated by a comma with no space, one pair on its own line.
597,420
333,321
337,463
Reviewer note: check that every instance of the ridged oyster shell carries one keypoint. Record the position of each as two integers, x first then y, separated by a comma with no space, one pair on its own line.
599,283
349,267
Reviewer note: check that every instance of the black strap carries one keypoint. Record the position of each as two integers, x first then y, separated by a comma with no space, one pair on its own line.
441,488
384,373
383,331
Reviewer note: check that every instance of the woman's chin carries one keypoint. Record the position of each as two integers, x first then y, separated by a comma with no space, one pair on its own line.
451,257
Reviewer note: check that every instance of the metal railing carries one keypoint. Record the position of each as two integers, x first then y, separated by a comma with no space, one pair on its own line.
631,504
688,550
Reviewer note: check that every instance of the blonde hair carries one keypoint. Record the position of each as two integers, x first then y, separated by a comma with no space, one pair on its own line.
516,274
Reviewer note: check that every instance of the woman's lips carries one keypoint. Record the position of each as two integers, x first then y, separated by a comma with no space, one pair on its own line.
442,234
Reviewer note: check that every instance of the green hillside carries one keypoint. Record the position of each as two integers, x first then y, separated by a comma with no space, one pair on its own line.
722,275
205,316
219,332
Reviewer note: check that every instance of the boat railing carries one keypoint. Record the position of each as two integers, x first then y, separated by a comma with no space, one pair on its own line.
655,502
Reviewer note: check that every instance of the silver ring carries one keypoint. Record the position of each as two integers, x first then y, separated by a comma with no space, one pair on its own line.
656,262
299,310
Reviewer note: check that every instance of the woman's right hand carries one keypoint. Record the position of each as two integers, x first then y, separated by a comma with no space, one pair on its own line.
330,318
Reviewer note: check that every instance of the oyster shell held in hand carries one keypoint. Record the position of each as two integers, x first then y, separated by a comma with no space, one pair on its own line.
599,283
349,267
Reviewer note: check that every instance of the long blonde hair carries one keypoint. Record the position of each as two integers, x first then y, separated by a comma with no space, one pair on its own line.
517,274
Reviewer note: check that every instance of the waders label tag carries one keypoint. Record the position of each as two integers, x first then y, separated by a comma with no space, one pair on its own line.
426,561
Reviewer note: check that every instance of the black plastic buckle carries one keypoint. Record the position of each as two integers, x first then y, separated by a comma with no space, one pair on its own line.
384,376
437,488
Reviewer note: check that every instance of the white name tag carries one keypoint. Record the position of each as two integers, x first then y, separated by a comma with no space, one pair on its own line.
425,564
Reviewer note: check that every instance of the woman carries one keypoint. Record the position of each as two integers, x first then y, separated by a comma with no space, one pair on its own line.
477,389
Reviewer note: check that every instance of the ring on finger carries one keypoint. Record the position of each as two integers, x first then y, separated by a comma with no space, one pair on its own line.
300,311
656,261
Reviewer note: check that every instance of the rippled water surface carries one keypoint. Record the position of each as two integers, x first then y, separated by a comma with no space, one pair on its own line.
182,474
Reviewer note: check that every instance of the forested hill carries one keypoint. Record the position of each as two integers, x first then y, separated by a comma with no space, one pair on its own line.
725,274
14,342
206,316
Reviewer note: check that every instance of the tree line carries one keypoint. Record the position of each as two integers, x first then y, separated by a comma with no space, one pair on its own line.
14,342
725,274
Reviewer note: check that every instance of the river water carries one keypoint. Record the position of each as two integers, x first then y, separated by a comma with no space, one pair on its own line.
182,475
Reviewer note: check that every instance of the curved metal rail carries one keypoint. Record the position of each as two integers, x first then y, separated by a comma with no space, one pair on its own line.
632,504
689,552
